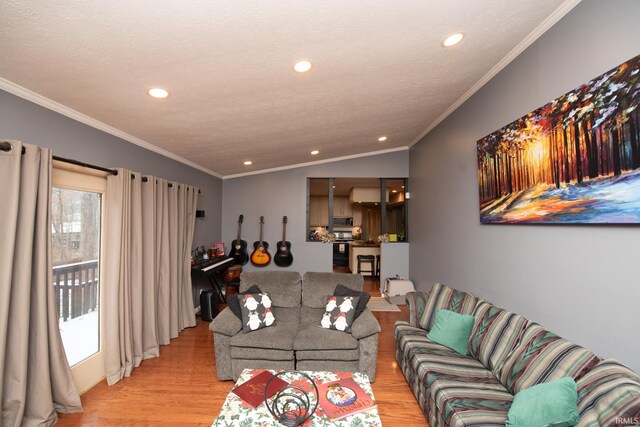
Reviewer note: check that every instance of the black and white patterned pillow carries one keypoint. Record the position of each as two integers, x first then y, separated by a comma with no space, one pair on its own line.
339,313
256,312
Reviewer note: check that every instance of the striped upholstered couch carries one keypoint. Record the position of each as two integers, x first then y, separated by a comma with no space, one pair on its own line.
507,353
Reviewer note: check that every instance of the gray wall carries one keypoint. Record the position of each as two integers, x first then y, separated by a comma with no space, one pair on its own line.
276,194
579,281
396,261
23,120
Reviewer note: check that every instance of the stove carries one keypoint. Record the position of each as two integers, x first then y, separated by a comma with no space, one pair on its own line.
343,236
341,248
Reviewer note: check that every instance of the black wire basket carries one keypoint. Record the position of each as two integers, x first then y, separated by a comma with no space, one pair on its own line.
292,405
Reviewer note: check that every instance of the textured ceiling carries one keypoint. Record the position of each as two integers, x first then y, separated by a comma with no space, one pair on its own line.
378,69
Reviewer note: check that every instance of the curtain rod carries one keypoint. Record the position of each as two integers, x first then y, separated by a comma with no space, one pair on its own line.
86,165
7,146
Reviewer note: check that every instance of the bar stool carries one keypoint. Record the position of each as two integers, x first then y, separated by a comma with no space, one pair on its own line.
363,260
377,265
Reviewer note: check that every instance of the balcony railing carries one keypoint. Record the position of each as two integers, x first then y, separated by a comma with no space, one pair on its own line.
76,289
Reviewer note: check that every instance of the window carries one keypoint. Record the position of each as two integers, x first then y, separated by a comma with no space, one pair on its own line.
367,207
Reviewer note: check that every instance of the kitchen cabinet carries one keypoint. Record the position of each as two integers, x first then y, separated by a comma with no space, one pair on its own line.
318,211
342,207
367,195
356,210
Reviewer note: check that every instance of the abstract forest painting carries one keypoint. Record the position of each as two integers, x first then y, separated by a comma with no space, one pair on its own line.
574,160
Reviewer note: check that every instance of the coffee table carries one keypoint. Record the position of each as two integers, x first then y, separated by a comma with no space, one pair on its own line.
236,412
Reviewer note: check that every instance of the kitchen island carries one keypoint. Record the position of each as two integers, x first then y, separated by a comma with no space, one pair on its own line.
361,247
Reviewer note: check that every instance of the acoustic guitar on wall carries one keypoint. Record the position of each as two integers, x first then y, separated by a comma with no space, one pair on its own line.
260,256
239,247
283,256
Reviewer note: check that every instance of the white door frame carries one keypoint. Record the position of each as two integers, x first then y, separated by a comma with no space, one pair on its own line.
89,371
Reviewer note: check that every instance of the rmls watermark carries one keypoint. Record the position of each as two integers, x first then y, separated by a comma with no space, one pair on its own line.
628,421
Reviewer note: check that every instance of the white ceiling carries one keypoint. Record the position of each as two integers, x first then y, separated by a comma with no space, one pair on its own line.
378,69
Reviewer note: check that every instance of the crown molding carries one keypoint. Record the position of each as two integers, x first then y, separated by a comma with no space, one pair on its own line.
520,47
25,93
317,162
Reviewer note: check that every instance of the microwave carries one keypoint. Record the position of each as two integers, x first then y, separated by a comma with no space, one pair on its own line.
346,221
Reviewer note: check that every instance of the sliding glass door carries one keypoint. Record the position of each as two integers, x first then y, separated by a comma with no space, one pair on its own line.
76,233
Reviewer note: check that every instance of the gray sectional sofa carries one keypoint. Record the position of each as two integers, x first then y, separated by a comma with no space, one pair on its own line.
507,354
296,341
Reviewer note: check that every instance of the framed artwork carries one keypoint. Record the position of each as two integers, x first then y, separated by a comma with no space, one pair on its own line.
573,160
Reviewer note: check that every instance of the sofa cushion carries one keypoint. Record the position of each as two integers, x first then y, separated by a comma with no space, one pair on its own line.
404,332
542,356
607,394
547,404
444,297
343,291
430,360
260,354
494,334
256,312
312,337
284,287
316,286
345,355
458,402
278,337
339,313
452,330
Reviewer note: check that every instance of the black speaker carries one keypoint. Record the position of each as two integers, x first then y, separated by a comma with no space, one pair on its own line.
199,214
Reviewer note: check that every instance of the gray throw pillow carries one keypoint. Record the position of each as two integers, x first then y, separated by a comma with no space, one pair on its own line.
256,312
339,313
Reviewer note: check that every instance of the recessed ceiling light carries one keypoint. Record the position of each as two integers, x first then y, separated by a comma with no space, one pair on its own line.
403,186
248,162
453,39
157,92
314,152
382,139
394,191
302,66
334,186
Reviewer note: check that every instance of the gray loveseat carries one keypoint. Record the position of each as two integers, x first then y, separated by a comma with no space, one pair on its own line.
296,341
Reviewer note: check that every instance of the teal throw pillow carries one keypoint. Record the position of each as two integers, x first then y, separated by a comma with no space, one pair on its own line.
547,404
452,330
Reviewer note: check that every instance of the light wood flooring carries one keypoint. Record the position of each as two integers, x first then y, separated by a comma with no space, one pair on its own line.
180,388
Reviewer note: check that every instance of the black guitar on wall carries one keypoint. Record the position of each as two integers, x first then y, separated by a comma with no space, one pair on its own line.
239,247
283,257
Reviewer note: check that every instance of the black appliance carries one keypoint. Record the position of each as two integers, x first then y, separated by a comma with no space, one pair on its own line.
341,254
341,248
343,221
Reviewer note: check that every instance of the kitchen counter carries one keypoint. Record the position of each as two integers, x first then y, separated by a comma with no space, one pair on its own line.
365,244
361,248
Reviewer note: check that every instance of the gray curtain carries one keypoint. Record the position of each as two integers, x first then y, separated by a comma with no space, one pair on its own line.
35,376
148,302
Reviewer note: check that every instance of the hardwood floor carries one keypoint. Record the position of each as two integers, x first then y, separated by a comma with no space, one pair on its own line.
180,388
